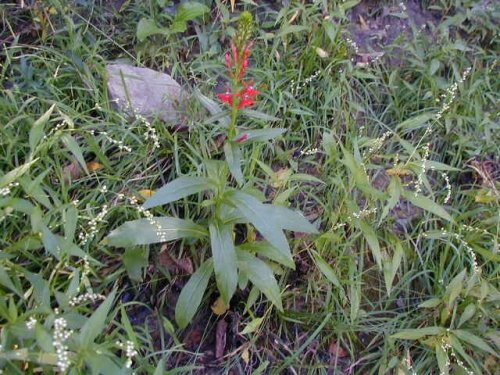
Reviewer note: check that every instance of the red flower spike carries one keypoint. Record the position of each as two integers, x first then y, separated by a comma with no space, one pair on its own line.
246,102
229,63
243,138
250,90
226,98
235,52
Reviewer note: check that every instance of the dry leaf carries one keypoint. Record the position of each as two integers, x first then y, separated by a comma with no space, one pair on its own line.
322,53
72,171
93,166
219,307
245,356
336,350
175,266
398,171
364,25
220,338
281,177
146,193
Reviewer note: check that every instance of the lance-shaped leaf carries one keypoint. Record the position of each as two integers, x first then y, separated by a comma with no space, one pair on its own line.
144,232
179,188
289,219
427,204
94,326
224,255
264,248
233,158
372,239
192,294
258,214
261,275
261,135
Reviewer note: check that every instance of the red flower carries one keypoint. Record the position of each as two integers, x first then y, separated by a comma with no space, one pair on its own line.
229,63
237,64
244,60
250,90
246,101
226,98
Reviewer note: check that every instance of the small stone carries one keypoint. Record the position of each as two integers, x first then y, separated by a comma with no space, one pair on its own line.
152,94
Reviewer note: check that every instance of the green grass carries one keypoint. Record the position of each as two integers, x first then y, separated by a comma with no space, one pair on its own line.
343,313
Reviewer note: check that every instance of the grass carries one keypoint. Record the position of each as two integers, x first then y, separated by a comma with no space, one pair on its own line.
361,130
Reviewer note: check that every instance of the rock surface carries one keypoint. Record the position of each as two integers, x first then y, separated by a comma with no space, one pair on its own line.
148,92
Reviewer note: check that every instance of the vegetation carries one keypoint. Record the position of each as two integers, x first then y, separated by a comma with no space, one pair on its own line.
322,205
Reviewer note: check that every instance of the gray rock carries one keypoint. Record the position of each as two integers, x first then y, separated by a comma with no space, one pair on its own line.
148,92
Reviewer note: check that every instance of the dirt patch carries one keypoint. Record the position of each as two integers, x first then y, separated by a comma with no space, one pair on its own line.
375,26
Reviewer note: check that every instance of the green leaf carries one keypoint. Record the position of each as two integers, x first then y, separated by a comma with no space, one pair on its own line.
43,338
261,275
212,107
288,219
16,173
326,270
427,204
346,5
455,287
394,190
443,360
49,239
430,303
95,325
468,313
391,266
142,232
224,256
33,188
36,132
179,188
266,249
261,135
6,282
41,290
147,27
135,260
75,149
372,239
257,213
160,367
192,294
260,116
70,222
233,159
252,326
190,10
359,176
101,364
416,122
474,340
418,333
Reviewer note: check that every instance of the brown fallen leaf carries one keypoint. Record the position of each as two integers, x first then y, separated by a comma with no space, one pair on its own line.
219,307
175,266
93,166
220,338
245,356
193,338
72,171
336,350
364,25
146,193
